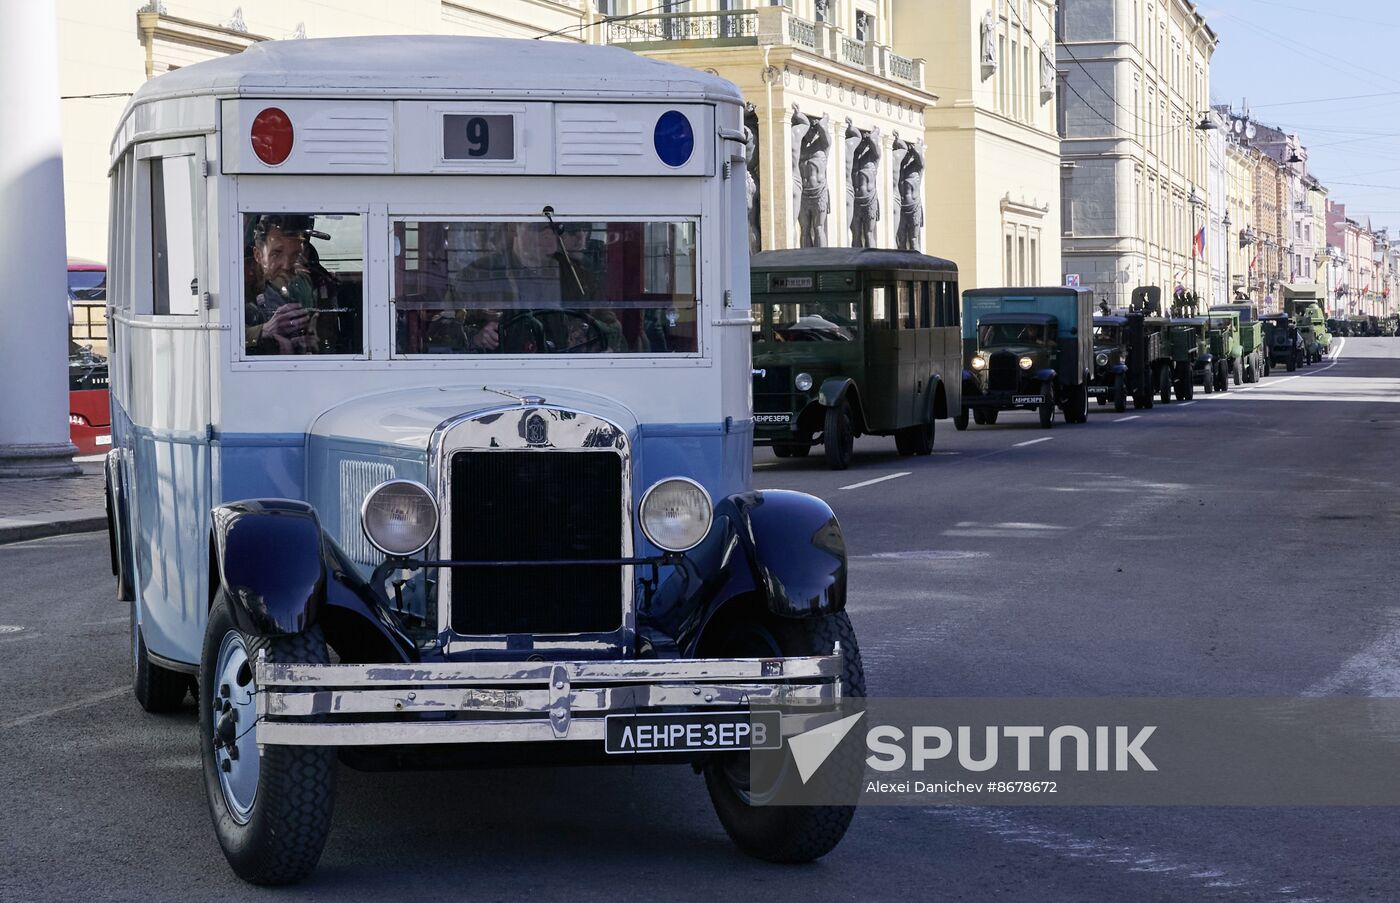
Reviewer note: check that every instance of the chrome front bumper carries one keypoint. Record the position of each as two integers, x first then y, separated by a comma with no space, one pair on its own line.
514,702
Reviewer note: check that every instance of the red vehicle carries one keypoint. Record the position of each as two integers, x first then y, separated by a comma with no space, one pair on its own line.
89,412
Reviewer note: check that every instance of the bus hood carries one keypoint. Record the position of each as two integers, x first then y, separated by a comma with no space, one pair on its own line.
405,419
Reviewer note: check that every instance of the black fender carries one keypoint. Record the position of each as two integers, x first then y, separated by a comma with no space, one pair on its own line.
1118,368
118,527
1046,375
783,548
837,389
282,574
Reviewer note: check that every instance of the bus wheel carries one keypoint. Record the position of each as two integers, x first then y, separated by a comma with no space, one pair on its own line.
915,440
271,808
960,420
789,833
158,690
839,437
1047,408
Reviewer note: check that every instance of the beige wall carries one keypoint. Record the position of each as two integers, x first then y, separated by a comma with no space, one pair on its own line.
101,51
993,147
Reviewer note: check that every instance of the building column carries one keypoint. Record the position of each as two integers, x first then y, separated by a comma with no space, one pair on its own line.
33,344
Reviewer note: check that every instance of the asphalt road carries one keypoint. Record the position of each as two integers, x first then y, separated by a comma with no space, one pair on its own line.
1239,546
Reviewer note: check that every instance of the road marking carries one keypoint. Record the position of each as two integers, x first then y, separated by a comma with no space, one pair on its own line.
893,476
1374,671
80,704
1126,419
1097,850
1341,343
766,464
1033,442
1185,404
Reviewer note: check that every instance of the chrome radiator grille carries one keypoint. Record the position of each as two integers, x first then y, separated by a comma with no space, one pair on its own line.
536,506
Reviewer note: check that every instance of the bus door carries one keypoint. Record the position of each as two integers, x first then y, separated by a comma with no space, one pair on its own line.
887,405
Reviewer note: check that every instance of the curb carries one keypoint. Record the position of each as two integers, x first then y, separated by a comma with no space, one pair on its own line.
13,530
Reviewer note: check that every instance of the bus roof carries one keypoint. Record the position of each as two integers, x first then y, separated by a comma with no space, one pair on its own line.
437,66
848,259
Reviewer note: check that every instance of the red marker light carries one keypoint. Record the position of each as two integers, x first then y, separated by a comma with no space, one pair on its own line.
272,136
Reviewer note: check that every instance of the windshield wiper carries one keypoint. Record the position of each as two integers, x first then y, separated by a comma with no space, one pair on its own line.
564,252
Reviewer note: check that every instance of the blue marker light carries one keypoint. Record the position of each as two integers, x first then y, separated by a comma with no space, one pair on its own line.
674,138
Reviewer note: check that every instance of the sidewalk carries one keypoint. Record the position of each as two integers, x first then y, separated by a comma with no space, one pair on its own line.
30,509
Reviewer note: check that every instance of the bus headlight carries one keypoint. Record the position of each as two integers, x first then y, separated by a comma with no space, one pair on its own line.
675,514
399,517
1027,363
803,382
979,362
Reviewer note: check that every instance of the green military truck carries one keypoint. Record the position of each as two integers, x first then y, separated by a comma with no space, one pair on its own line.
1199,341
1252,362
1026,349
850,342
1305,305
1283,342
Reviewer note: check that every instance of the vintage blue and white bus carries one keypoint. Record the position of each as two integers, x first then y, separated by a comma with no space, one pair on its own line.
432,430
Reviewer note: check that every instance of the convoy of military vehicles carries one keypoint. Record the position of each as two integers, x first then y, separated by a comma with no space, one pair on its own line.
850,342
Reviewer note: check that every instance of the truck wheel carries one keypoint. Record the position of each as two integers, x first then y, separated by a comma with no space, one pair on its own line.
1292,362
1222,377
1208,380
989,416
782,450
1165,380
839,438
1239,371
779,833
1120,394
158,690
1047,409
1077,407
271,810
979,416
960,420
915,440
1268,365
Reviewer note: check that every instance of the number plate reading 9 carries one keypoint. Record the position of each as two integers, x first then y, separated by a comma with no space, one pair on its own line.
693,732
467,136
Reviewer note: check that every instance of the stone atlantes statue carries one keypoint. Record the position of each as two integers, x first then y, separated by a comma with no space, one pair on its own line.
815,196
751,178
863,151
909,188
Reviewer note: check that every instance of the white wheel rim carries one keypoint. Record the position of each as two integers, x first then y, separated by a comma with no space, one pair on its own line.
233,695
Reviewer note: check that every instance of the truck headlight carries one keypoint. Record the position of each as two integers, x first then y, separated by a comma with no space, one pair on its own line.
1101,359
399,517
675,514
979,362
803,382
1027,363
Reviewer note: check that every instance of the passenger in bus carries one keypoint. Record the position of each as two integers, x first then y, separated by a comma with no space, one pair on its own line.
284,284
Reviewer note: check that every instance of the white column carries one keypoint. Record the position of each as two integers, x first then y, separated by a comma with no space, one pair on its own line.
33,256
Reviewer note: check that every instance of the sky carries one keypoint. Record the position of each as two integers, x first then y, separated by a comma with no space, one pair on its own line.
1293,61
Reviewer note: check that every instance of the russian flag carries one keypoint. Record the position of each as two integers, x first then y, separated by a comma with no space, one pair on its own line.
1198,244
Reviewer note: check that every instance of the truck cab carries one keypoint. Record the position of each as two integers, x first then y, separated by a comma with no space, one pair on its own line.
1027,349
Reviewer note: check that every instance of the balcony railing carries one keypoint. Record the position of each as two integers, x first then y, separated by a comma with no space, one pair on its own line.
802,33
763,25
852,51
740,24
901,67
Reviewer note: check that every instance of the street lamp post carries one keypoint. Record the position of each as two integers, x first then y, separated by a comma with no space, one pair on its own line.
1195,201
1225,224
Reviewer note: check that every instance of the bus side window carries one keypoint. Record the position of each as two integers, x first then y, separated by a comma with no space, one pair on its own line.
879,309
904,305
926,318
174,279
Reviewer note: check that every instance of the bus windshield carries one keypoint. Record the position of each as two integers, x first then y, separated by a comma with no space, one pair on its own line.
815,321
527,287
